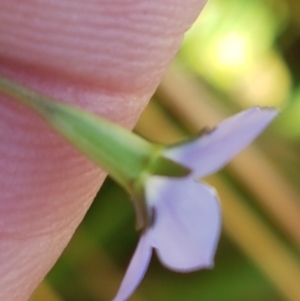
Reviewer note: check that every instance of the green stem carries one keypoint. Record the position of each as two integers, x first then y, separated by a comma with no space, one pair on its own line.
121,153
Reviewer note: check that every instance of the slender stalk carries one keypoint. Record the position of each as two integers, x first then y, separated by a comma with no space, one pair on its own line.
121,153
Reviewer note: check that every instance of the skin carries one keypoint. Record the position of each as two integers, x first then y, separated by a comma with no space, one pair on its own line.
106,56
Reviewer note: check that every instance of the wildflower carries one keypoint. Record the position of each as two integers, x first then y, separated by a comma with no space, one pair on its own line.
179,216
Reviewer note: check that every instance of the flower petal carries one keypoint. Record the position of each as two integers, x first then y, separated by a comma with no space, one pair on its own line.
211,152
187,222
136,269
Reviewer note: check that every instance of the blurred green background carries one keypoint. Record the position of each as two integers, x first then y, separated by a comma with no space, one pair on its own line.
239,53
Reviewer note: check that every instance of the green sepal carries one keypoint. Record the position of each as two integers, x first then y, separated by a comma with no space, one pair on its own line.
162,166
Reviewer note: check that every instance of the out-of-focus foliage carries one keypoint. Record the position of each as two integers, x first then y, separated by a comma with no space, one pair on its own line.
239,53
232,47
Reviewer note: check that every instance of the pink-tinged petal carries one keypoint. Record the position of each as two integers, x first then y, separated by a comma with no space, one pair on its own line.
136,269
212,151
187,222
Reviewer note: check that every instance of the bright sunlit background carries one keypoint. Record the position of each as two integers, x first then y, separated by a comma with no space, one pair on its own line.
239,53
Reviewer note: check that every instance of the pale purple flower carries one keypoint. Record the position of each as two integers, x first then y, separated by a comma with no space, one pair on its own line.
186,213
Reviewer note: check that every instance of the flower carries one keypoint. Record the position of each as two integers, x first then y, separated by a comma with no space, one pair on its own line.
179,216
186,216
